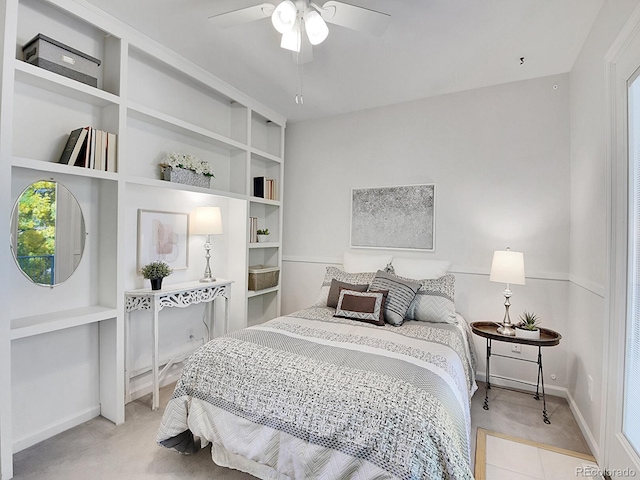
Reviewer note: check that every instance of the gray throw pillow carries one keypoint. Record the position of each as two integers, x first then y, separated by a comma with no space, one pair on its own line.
401,294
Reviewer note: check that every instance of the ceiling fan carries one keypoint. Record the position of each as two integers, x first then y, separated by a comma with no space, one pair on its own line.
303,23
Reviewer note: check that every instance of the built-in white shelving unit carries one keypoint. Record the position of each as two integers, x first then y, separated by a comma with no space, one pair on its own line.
156,102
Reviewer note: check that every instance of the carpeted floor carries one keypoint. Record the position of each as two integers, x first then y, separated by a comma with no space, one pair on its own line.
98,450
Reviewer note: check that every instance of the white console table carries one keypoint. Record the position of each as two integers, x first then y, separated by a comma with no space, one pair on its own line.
179,295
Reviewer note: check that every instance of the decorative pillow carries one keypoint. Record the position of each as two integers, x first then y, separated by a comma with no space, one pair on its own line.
342,276
364,262
362,306
401,294
434,301
420,267
336,286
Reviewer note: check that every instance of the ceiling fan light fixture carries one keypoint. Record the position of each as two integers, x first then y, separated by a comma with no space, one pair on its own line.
284,16
315,27
292,40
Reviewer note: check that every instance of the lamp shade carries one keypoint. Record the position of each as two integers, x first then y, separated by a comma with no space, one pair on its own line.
205,221
507,267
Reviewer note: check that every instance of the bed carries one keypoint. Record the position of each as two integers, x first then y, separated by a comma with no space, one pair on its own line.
313,395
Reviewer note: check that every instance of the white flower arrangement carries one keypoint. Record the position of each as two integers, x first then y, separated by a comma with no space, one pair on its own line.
188,162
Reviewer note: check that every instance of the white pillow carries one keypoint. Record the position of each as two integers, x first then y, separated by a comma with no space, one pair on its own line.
420,267
364,262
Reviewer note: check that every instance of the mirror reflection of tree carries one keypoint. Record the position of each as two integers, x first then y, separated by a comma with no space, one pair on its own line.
36,240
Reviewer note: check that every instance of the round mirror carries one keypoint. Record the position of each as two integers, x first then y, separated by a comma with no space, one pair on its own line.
47,233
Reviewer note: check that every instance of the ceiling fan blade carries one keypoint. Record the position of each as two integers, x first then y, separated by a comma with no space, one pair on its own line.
243,15
355,18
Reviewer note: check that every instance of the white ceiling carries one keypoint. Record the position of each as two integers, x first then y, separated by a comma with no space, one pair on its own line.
431,47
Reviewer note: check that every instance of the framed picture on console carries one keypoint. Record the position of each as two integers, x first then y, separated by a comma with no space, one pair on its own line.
400,217
163,236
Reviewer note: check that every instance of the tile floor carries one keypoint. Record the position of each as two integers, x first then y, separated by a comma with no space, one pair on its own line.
512,460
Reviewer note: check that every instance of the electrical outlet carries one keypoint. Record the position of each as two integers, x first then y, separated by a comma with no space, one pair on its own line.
516,348
590,387
190,337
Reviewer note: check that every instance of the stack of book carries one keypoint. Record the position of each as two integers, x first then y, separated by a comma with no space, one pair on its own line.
91,148
253,229
264,187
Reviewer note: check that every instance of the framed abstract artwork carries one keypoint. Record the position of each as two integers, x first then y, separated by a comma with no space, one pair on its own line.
400,218
163,236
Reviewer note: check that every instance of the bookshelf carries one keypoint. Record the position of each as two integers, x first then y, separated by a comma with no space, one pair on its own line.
156,102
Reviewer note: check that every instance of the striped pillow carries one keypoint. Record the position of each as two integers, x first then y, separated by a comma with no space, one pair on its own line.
401,294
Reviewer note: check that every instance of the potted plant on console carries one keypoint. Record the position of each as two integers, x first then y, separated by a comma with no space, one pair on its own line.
528,326
155,272
263,235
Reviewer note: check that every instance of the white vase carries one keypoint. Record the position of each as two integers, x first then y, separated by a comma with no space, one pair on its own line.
528,334
263,238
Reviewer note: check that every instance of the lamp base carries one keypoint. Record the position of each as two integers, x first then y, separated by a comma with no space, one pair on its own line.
211,279
507,329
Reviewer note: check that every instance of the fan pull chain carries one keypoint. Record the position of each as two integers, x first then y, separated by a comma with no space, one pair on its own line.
300,71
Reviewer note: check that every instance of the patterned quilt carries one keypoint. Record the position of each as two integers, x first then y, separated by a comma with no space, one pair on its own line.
313,396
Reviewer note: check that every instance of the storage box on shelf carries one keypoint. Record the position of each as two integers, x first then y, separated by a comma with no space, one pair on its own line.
263,276
35,16
55,56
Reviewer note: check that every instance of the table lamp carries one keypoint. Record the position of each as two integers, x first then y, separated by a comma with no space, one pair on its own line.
206,221
508,268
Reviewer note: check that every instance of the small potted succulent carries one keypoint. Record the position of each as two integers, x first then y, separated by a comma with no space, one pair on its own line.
263,235
155,272
528,326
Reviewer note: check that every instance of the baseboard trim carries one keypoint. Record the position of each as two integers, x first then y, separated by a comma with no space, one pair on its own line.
586,432
147,387
562,392
56,428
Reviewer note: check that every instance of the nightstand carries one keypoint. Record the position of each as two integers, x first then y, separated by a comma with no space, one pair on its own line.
548,338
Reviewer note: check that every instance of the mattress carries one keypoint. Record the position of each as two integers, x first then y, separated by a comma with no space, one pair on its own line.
311,396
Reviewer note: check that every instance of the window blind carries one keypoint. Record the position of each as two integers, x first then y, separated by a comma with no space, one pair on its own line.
631,412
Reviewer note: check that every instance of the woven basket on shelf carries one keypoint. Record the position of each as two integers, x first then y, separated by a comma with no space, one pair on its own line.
263,276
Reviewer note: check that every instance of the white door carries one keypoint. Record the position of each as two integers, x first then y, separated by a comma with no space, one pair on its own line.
622,419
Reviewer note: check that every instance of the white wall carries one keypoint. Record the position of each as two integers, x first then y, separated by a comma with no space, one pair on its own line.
55,376
500,159
175,323
588,243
